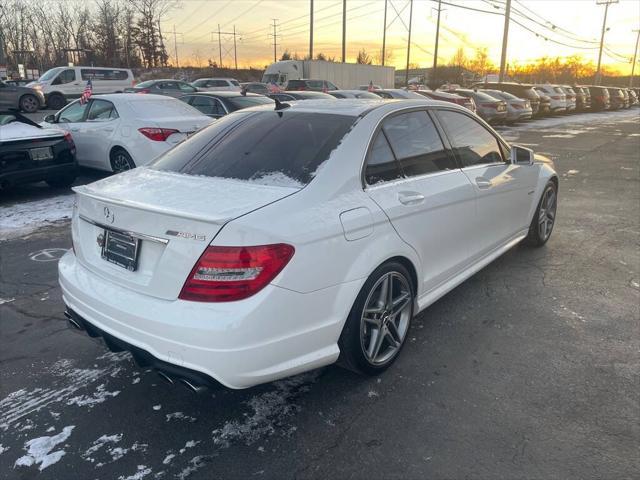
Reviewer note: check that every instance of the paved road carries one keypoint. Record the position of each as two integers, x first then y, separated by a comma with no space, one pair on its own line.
530,369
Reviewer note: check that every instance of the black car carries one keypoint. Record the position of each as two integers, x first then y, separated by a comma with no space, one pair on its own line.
31,153
311,85
600,98
288,96
218,104
255,87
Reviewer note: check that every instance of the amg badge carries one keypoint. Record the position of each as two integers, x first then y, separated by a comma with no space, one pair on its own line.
187,235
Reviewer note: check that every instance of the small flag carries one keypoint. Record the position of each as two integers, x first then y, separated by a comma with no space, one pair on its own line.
86,94
273,87
370,88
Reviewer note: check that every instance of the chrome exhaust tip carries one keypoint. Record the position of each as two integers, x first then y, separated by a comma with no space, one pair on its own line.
165,377
192,387
72,321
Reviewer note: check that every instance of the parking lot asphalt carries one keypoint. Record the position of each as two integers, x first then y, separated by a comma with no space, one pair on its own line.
530,369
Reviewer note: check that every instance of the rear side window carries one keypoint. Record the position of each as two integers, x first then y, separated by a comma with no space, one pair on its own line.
101,111
472,142
416,144
268,148
381,164
207,105
103,74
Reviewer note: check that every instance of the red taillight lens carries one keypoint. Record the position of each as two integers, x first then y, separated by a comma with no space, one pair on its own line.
490,105
226,274
157,134
144,90
69,139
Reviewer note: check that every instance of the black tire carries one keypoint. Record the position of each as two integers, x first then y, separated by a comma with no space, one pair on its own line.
62,181
353,337
121,161
536,237
29,103
56,101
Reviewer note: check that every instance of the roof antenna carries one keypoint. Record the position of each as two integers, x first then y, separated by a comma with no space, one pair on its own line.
280,105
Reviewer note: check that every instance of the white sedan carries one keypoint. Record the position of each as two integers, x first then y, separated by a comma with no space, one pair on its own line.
278,241
121,131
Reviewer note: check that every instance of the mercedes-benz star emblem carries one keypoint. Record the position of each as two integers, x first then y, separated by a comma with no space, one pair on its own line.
108,215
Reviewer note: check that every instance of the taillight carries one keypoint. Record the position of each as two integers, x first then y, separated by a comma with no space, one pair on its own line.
157,134
144,90
226,274
69,140
490,105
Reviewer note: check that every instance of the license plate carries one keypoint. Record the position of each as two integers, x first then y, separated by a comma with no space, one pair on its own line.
121,249
43,153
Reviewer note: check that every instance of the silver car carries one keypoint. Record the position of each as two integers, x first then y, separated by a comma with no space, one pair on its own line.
14,97
170,87
517,108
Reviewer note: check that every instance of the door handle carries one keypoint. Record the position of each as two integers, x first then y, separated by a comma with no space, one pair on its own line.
483,183
410,198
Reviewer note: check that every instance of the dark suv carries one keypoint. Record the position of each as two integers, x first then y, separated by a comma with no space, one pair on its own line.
583,98
617,98
313,85
600,99
520,90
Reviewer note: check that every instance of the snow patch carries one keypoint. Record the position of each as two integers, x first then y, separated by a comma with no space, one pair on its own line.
195,463
40,448
269,410
101,442
3,449
23,218
142,472
179,416
99,396
168,458
6,300
559,135
157,407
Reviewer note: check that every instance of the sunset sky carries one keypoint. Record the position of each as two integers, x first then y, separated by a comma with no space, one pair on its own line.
577,24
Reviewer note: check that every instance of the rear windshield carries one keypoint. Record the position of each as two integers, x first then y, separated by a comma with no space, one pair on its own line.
267,147
162,108
244,102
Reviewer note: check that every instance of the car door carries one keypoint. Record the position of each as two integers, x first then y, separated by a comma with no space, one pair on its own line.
67,83
71,118
8,96
101,122
505,190
169,88
415,180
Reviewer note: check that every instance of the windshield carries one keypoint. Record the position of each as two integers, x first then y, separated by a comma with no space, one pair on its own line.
244,102
266,147
49,74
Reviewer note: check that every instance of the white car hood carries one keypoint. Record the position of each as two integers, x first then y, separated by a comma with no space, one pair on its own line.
22,131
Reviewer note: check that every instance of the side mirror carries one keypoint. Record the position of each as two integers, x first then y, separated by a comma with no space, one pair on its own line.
51,118
521,155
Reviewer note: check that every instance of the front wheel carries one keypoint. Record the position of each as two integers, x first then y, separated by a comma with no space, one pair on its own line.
379,321
29,104
545,217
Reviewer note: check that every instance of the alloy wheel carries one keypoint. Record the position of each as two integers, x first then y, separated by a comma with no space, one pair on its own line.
29,104
385,318
547,214
121,163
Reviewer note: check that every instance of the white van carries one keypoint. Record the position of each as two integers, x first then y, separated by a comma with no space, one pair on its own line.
62,84
217,84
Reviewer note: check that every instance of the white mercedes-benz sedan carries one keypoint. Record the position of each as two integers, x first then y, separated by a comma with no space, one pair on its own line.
277,241
121,131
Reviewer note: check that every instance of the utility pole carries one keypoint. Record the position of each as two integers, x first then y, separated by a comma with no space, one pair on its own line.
505,36
344,29
384,33
275,40
635,55
235,49
606,4
219,47
175,47
435,53
311,31
406,76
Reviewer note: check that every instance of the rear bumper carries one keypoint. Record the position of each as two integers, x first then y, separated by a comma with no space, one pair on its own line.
273,334
37,174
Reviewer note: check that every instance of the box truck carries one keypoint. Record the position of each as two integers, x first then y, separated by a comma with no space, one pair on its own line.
343,75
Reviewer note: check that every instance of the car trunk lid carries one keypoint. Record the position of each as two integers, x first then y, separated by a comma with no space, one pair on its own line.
145,229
